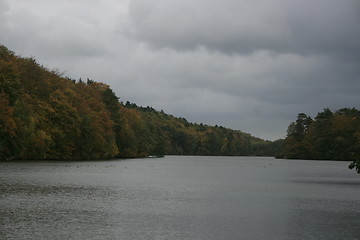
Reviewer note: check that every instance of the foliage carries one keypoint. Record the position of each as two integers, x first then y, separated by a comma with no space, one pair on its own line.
46,116
159,133
355,163
331,136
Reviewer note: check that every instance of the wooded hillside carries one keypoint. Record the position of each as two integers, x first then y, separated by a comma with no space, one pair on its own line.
330,136
44,115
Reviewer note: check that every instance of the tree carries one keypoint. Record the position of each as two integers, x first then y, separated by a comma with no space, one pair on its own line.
113,106
355,163
295,146
7,126
331,136
46,116
299,128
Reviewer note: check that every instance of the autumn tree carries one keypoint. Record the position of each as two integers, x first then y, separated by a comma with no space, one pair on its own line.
331,136
44,115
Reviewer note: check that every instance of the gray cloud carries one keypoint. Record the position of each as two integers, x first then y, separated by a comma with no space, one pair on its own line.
231,26
4,8
303,27
248,65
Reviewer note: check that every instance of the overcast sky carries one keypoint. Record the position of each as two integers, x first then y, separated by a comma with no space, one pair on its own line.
251,65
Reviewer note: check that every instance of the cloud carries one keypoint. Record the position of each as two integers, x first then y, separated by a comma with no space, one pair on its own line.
239,90
251,65
229,26
4,8
243,26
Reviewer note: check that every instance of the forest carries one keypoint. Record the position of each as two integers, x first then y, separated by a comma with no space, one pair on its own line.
330,136
44,115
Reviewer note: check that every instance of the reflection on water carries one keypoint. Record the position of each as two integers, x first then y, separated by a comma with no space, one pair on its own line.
179,198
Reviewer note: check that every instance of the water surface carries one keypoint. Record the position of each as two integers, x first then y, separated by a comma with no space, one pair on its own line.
179,197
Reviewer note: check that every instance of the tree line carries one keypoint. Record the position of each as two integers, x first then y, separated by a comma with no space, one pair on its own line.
44,115
330,136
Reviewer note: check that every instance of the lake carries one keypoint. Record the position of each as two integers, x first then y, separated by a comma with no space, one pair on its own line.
180,197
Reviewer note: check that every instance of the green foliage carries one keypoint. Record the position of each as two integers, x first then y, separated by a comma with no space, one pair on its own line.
165,134
355,163
46,116
331,136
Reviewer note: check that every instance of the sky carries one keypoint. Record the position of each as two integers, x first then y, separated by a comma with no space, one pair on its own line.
250,65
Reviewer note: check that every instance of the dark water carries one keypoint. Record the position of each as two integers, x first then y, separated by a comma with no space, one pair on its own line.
180,198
